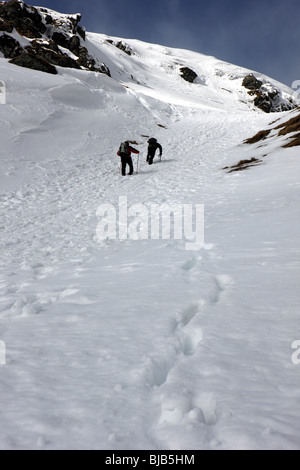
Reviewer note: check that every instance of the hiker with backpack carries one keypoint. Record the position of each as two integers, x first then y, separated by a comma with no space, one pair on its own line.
152,147
124,152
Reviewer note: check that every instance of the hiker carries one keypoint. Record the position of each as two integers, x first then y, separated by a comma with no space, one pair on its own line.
124,152
152,147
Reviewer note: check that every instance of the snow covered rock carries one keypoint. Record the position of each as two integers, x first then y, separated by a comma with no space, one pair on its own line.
251,82
51,52
188,74
26,20
9,46
268,98
60,35
34,61
121,45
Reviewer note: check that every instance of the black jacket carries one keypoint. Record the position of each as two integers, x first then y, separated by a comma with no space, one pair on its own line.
153,146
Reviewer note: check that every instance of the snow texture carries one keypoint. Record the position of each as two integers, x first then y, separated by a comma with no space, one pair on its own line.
140,344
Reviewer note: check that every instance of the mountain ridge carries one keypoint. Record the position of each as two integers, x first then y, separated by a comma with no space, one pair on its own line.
42,39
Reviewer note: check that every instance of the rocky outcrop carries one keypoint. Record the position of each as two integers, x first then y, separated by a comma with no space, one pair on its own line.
266,96
32,61
26,20
188,74
121,45
9,46
52,39
252,83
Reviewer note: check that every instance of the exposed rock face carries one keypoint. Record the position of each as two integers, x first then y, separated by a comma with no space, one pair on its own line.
45,34
32,61
252,83
51,53
267,97
121,45
9,46
188,74
26,20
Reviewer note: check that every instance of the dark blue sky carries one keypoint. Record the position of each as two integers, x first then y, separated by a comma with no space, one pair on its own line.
262,35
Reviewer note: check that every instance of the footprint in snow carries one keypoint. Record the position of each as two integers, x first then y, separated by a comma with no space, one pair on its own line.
223,281
183,408
190,338
186,316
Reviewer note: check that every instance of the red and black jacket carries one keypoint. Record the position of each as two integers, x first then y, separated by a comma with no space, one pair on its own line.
130,151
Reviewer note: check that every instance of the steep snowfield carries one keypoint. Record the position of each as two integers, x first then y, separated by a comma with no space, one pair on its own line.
141,344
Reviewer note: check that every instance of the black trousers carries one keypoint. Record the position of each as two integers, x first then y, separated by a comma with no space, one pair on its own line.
126,161
150,157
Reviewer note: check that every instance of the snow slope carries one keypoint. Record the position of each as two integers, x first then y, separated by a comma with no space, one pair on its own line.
141,344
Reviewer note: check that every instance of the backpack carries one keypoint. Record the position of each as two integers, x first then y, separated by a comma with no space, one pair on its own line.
123,150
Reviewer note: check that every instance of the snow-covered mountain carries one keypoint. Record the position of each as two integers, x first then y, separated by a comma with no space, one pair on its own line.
42,39
140,343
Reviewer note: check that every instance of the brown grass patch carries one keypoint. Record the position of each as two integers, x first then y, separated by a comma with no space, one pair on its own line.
288,127
243,165
294,143
261,135
293,125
